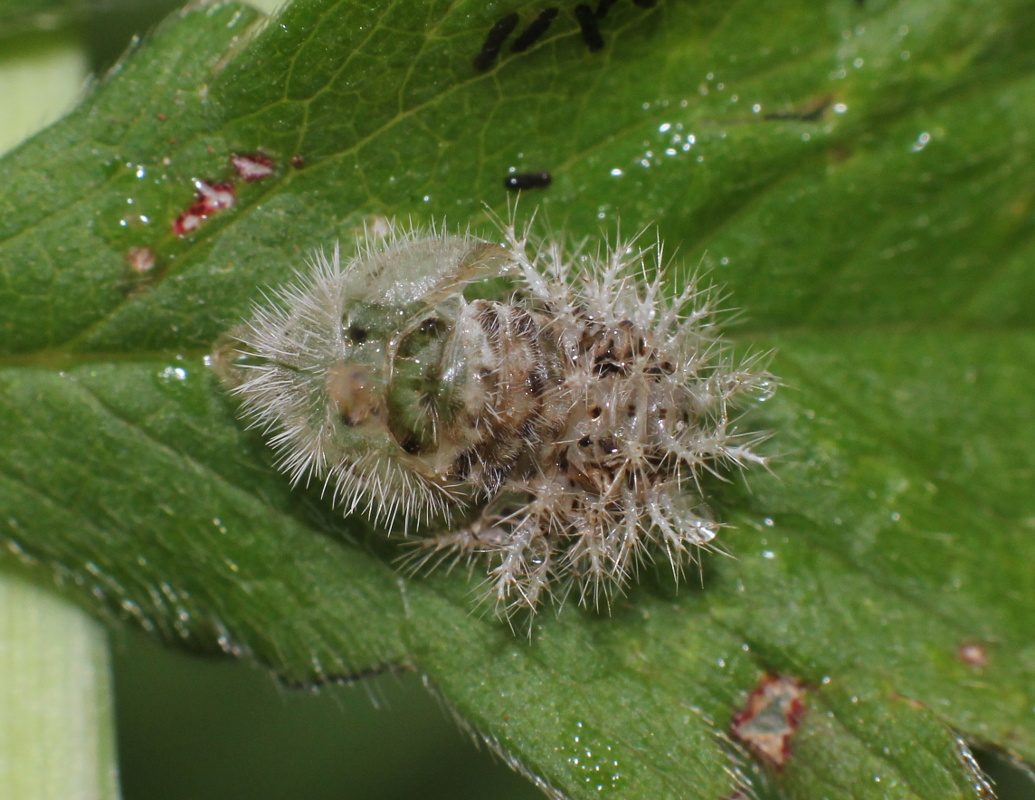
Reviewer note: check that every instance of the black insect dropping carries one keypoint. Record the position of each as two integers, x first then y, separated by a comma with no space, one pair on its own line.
527,180
588,20
530,35
494,40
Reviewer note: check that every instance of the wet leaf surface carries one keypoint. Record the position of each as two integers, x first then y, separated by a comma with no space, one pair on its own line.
857,175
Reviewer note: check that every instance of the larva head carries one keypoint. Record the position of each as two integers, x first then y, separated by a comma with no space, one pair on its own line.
343,367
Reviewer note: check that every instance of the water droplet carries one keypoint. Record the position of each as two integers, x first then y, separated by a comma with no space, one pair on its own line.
171,374
764,390
592,759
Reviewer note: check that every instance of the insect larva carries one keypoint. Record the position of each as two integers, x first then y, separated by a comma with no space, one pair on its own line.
535,30
527,180
494,40
570,420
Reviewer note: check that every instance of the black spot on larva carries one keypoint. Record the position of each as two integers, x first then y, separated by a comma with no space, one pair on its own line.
357,334
590,29
411,444
432,326
494,40
494,476
607,445
608,366
595,412
489,319
535,383
657,371
585,441
527,180
530,35
462,465
524,325
630,410
527,432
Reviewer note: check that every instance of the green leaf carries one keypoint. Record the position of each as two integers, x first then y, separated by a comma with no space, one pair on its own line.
857,174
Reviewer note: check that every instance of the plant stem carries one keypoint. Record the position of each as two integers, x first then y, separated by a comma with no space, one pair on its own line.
56,734
56,728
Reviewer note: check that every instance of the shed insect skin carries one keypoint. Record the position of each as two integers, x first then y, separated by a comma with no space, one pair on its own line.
571,420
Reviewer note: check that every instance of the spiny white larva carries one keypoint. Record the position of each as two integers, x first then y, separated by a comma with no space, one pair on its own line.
574,418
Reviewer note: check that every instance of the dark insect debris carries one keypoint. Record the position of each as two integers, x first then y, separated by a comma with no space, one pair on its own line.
590,29
494,40
589,25
527,180
535,30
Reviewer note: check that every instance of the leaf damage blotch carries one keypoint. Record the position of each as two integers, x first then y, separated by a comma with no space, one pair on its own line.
766,723
141,260
973,654
208,199
252,166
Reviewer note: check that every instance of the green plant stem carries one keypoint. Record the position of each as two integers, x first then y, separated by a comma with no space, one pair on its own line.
56,727
56,734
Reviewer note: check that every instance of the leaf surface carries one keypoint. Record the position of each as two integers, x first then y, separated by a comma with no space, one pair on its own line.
856,175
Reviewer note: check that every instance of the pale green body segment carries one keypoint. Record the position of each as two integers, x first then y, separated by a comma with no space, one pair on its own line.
357,368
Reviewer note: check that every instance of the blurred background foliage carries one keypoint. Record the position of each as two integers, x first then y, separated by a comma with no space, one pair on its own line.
202,729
